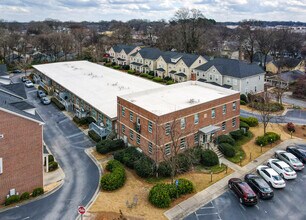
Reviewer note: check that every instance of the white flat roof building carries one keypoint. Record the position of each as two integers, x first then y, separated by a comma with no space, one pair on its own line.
175,97
98,85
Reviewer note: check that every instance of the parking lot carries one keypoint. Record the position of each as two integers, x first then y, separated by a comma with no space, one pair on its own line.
287,203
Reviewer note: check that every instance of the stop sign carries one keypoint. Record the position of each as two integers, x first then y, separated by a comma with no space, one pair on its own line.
81,210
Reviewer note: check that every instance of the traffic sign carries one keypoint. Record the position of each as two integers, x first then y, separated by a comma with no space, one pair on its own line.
81,210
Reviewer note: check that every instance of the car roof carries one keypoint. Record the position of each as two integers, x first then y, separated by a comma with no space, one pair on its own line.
289,155
260,181
271,171
245,187
282,163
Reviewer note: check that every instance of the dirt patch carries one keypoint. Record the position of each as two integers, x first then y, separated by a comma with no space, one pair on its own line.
300,131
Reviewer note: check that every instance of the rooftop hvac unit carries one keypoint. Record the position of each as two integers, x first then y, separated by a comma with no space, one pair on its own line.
1,136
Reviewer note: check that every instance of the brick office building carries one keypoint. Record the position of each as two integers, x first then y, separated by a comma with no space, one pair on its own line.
189,114
21,151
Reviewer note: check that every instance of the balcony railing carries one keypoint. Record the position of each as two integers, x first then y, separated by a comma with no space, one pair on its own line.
101,131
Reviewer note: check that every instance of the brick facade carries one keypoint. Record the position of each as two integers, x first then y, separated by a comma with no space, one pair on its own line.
21,152
158,136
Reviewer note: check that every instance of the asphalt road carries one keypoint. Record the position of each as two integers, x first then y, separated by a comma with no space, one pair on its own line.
296,116
287,204
67,143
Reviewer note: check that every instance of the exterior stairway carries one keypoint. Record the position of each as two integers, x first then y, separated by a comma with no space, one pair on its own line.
216,150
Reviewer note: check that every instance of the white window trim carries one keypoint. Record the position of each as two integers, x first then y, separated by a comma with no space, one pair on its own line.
1,165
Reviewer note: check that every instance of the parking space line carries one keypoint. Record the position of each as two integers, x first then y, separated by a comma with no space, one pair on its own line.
208,214
74,135
242,207
66,119
207,207
257,207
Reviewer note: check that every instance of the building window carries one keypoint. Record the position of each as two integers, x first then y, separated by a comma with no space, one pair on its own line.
259,77
1,165
213,113
138,138
200,61
234,122
150,147
123,111
167,149
234,106
210,76
131,116
224,109
196,138
131,134
150,126
216,78
100,117
183,123
196,118
183,143
223,126
255,89
167,129
123,129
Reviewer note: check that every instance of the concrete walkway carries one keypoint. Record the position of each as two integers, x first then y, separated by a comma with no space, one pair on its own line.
198,200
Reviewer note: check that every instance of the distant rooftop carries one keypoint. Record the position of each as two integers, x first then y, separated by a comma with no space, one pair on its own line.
96,84
175,97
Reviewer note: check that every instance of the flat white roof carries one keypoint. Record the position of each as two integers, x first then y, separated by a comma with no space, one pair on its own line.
98,85
178,96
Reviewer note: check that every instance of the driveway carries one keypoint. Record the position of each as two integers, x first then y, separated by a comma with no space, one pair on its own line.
67,143
286,204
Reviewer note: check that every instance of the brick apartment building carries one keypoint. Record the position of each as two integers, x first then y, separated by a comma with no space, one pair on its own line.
187,114
21,151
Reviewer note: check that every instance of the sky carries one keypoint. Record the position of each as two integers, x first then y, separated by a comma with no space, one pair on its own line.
97,10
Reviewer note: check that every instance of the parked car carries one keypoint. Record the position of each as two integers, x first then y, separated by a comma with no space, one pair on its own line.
24,78
259,186
16,71
244,192
290,159
29,84
282,168
300,153
271,176
45,100
40,94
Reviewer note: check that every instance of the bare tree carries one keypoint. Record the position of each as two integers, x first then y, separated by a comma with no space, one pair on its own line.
247,39
66,44
264,39
122,33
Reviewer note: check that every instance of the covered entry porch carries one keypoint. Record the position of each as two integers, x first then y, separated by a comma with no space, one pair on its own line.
206,136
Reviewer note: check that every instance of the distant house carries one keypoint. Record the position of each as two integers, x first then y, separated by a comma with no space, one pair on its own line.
285,78
120,53
4,76
232,74
288,64
144,60
21,143
259,59
178,66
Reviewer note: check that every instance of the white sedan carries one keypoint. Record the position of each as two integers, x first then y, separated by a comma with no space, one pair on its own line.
290,159
282,168
29,84
270,175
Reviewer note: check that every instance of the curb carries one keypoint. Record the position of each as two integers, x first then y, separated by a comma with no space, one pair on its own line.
95,196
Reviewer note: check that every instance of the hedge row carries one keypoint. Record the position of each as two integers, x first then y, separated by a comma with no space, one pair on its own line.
162,194
209,158
225,139
227,149
106,146
251,121
244,125
115,179
268,138
58,104
273,107
238,134
24,196
83,121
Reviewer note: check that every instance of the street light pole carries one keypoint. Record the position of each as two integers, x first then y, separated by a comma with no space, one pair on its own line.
261,148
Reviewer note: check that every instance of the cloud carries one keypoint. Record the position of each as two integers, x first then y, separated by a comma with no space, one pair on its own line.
95,10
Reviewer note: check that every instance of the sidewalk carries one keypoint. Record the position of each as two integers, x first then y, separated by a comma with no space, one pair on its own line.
201,198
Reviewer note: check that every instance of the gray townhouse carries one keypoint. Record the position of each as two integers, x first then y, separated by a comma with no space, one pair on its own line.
145,59
232,74
121,53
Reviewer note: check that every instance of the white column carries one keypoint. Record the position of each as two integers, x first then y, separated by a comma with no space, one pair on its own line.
47,163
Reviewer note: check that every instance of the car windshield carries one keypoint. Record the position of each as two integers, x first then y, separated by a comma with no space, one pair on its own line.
294,160
288,169
266,189
277,177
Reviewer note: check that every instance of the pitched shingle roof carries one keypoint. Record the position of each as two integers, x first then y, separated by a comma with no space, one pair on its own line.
127,48
15,88
188,59
230,67
149,53
289,62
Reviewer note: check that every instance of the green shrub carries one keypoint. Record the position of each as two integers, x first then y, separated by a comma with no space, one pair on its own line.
131,71
272,136
244,98
12,199
151,73
170,82
143,75
164,169
116,67
242,102
37,192
108,64
125,67
93,135
172,191
150,77
237,135
159,196
209,158
144,167
157,79
106,146
244,125
184,186
167,78
227,149
128,156
268,138
273,107
251,121
53,166
183,162
25,196
58,104
196,155
226,139
50,158
115,179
